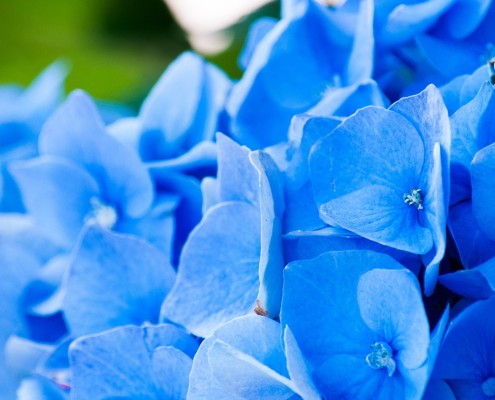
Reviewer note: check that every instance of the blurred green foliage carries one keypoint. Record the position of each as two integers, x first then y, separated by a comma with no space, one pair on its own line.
117,49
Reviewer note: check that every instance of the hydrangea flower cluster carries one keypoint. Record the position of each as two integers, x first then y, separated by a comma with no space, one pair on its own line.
323,228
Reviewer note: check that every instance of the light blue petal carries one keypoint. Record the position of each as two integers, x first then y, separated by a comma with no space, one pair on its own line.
298,369
171,122
390,304
218,270
271,256
237,178
244,376
347,100
360,173
257,338
57,193
76,132
171,368
114,280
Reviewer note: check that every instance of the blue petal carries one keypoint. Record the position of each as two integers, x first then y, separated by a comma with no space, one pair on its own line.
257,31
284,91
298,369
438,389
172,122
464,17
395,297
76,132
245,376
114,280
271,210
18,268
124,363
466,354
476,283
347,100
58,194
365,194
42,97
473,245
237,178
407,20
251,341
218,270
482,171
171,368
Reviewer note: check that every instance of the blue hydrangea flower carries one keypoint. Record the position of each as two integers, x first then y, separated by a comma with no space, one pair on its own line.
83,175
360,323
149,362
247,221
384,175
297,41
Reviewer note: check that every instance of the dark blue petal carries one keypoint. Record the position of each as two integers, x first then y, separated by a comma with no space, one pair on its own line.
473,245
482,172
476,283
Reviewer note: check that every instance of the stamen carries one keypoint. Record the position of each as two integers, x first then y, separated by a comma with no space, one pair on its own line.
414,198
381,357
102,214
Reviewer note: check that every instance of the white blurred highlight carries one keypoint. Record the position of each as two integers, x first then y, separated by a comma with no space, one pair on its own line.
205,20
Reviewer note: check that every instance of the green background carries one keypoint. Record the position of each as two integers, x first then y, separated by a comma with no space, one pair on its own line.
117,49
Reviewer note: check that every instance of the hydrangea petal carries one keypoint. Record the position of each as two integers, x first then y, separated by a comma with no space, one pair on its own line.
58,195
255,336
114,280
298,369
244,376
483,196
215,285
366,197
271,210
122,363
86,143
171,368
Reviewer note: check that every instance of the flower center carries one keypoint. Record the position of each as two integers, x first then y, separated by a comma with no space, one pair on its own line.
102,214
381,357
414,198
488,387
